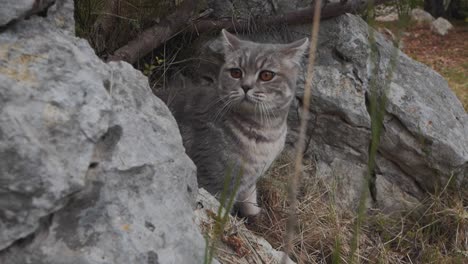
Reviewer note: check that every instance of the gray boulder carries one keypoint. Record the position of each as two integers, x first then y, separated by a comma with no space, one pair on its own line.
53,109
425,135
421,17
384,13
441,26
15,10
12,9
425,131
92,167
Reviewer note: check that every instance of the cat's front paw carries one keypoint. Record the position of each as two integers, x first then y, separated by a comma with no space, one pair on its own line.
249,209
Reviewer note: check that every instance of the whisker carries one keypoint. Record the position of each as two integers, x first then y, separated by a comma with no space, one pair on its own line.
227,107
217,101
219,112
266,113
271,110
255,109
269,121
261,112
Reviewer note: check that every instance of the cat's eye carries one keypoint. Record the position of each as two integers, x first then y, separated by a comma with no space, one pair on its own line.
266,76
236,73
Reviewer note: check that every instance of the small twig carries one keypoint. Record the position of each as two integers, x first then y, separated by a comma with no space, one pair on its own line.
113,15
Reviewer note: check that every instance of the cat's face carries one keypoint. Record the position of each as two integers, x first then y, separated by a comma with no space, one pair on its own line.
259,77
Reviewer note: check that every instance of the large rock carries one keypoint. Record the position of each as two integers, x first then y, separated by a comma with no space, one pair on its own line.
53,109
384,13
425,133
13,9
421,17
238,244
92,167
441,26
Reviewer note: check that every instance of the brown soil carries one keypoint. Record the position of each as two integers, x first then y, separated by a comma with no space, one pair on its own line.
437,51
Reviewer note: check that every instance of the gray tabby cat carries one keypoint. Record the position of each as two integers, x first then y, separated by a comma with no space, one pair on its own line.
239,123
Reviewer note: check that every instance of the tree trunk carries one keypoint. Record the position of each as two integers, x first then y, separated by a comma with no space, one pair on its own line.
444,8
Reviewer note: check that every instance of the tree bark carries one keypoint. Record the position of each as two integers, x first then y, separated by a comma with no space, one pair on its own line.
435,7
445,8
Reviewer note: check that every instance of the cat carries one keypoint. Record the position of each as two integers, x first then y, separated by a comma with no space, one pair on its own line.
237,125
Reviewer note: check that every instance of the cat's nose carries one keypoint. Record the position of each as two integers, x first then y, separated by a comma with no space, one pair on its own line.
246,88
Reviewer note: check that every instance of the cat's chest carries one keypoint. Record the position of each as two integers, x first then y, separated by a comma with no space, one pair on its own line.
266,154
254,147
260,155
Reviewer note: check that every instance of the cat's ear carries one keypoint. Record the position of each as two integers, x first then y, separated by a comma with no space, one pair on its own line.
230,41
296,49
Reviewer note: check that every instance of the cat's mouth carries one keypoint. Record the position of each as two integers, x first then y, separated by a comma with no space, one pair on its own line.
247,99
251,99
249,104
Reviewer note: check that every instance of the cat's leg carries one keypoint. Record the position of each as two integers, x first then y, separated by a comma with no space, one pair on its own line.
247,202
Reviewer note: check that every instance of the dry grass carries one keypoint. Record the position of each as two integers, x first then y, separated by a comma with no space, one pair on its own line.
435,232
301,141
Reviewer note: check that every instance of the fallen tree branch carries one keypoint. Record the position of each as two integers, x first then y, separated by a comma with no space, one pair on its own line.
302,16
153,37
181,21
292,18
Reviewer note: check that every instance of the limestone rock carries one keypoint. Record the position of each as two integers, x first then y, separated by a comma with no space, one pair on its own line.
92,166
384,13
425,133
53,109
12,9
441,26
388,18
249,248
421,17
391,197
383,10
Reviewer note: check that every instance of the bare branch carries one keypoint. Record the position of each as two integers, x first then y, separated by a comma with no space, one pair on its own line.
153,37
302,16
182,21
